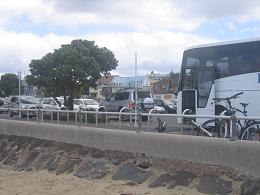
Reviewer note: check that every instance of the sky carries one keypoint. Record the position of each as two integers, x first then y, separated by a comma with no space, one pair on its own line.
158,30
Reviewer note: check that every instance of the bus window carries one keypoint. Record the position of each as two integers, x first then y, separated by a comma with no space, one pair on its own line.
192,62
205,79
190,78
223,67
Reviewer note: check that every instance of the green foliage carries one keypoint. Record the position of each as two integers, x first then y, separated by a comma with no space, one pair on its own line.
9,85
71,69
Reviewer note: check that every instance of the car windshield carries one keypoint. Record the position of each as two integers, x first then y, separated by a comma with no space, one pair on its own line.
61,100
90,102
143,94
26,101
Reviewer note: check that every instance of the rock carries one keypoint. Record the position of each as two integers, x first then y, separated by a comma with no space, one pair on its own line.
52,165
145,164
181,178
162,180
3,154
42,160
131,172
11,159
96,153
250,187
211,184
28,161
68,166
93,169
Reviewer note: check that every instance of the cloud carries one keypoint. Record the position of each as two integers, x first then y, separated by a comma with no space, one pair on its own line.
18,49
159,51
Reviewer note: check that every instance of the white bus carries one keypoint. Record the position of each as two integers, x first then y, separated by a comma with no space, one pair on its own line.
217,71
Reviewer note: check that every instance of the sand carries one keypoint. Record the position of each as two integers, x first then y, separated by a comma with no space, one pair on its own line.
43,182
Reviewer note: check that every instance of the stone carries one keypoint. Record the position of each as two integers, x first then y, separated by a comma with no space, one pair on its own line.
28,161
132,173
250,187
93,169
68,166
11,159
211,184
181,178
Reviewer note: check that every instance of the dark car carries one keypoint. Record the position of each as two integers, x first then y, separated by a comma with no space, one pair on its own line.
168,108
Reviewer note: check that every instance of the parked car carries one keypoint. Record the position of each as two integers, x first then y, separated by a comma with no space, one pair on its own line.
168,107
172,106
50,104
23,102
116,101
85,104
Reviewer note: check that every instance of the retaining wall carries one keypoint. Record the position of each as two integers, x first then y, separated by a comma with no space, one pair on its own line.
241,155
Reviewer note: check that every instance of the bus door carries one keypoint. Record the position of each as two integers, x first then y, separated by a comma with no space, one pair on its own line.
205,92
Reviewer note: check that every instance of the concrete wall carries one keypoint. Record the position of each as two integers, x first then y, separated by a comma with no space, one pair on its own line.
240,155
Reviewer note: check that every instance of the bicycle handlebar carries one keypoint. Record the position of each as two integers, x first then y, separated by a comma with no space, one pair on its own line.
228,98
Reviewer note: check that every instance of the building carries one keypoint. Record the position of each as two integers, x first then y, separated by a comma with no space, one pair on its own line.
165,89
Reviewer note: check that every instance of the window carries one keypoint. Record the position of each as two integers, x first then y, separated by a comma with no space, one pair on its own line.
122,96
192,62
205,79
223,67
112,97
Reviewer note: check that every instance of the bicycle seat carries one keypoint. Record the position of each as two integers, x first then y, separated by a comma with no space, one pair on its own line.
244,104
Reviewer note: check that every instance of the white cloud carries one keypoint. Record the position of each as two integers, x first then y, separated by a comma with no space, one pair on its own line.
160,50
18,49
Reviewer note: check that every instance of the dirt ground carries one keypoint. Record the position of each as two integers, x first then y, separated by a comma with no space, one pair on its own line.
43,182
35,166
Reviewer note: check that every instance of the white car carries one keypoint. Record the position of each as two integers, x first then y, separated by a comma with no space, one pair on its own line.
85,104
50,104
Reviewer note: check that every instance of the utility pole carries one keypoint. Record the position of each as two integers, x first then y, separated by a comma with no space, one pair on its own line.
19,78
136,125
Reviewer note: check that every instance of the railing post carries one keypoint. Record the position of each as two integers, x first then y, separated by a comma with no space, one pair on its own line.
58,117
86,119
96,119
80,118
181,125
120,120
51,116
139,120
27,113
38,115
41,115
68,117
76,118
233,127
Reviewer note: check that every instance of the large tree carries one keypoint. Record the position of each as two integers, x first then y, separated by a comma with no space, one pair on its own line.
9,84
71,68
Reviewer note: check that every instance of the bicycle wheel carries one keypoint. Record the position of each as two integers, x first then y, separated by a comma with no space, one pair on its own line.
212,126
251,132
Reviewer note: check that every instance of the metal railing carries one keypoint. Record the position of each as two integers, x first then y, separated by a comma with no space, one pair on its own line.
124,118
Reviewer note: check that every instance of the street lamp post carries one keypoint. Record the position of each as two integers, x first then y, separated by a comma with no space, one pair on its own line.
19,78
136,125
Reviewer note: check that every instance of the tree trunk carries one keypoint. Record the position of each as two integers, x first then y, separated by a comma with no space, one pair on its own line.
70,103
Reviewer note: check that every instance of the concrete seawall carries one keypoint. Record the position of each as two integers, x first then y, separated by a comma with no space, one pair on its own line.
241,155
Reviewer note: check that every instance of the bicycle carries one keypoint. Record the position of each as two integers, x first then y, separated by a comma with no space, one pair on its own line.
246,129
161,125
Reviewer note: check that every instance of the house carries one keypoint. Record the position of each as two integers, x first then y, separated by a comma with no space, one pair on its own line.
165,89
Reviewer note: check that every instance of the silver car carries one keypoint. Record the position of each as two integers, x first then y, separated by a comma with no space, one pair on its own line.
116,101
